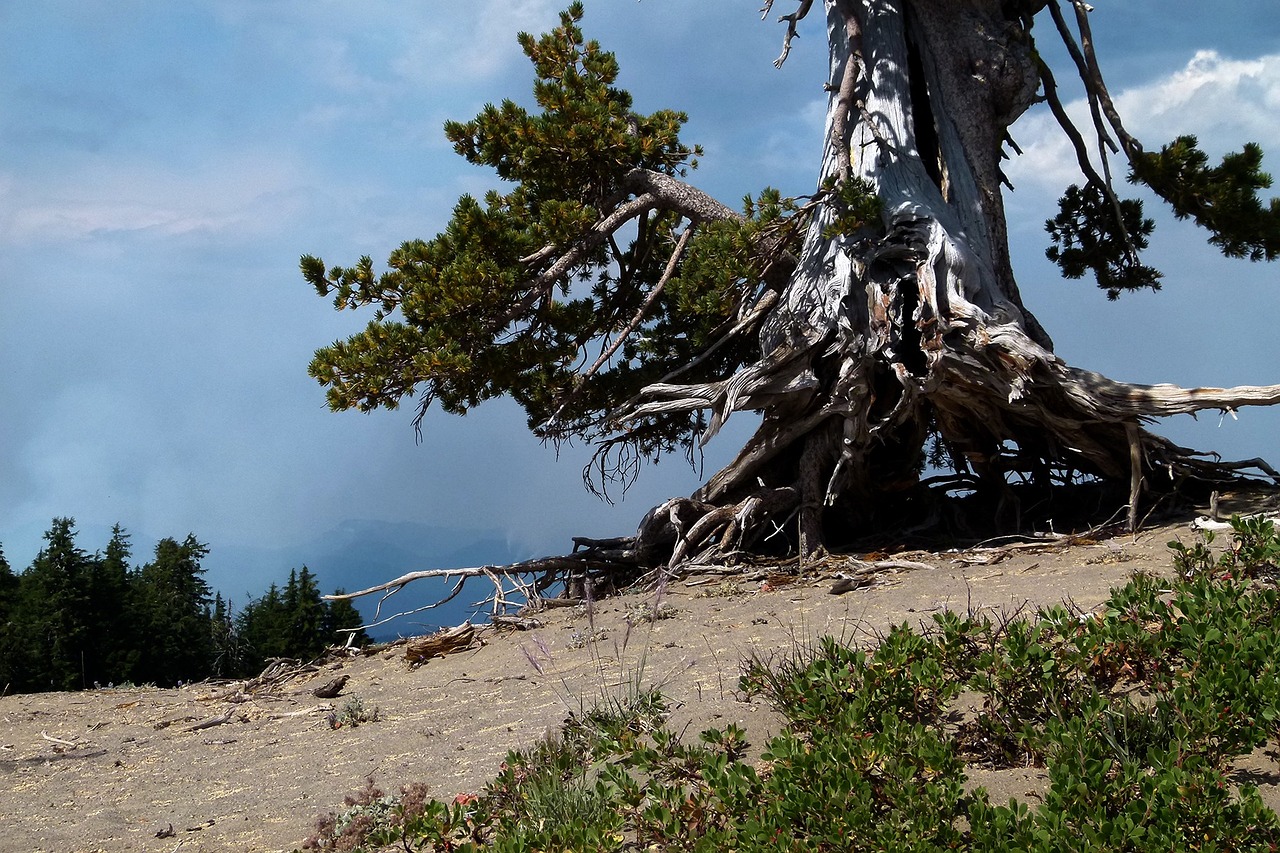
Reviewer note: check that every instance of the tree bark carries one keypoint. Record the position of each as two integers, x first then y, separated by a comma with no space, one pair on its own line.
885,337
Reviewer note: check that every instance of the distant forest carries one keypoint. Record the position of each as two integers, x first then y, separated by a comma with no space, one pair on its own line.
74,620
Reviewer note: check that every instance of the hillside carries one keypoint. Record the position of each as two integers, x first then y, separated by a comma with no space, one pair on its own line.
134,769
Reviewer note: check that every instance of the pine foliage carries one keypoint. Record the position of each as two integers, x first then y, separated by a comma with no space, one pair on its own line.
1098,234
525,288
1222,199
75,620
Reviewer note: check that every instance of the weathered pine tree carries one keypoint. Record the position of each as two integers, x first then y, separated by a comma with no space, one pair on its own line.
876,324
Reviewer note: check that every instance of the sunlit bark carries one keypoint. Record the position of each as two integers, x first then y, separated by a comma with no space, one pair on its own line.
886,336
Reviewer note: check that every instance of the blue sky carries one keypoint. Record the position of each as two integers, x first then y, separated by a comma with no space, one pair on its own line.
163,165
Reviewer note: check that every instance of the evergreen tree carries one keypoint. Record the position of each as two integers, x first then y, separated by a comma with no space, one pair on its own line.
172,610
340,617
9,646
112,638
8,583
875,324
72,619
54,606
288,623
307,635
51,607
263,627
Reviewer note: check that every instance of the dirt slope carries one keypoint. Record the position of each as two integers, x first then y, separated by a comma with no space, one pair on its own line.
129,769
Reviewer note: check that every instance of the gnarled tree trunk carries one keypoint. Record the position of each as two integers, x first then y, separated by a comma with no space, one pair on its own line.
891,340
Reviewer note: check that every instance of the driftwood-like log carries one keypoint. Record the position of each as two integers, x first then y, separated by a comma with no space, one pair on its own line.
594,564
459,639
587,559
519,623
1203,523
212,721
331,688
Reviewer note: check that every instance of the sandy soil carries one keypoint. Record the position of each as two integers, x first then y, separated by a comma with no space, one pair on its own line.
129,769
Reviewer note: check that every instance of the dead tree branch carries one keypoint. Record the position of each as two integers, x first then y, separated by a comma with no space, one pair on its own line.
792,32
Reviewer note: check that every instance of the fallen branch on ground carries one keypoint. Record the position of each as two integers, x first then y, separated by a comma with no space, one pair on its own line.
212,721
592,561
448,641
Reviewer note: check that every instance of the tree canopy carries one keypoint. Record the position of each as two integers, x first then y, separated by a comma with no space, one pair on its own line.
74,620
493,306
876,324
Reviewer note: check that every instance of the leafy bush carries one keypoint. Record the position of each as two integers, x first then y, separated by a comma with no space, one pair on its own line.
352,713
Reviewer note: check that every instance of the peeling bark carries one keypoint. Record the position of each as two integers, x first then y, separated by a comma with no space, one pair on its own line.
880,338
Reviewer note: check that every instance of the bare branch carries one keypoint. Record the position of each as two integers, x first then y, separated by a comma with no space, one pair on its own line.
676,195
638,318
1091,74
540,286
379,619
213,721
1082,154
1124,400
747,323
619,555
654,191
631,326
791,20
844,105
1067,125
398,583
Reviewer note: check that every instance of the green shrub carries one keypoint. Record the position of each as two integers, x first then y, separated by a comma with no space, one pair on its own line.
1135,710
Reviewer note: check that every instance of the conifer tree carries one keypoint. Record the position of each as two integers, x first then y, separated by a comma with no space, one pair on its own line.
875,324
263,626
291,623
172,610
54,605
10,649
73,620
8,583
342,621
111,628
307,636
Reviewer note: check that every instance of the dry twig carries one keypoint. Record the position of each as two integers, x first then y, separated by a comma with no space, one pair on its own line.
212,721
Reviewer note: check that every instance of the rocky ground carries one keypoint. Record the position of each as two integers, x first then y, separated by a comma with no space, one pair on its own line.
247,766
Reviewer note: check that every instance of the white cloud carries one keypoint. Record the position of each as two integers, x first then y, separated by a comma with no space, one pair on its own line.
477,47
1220,93
1224,102
244,191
